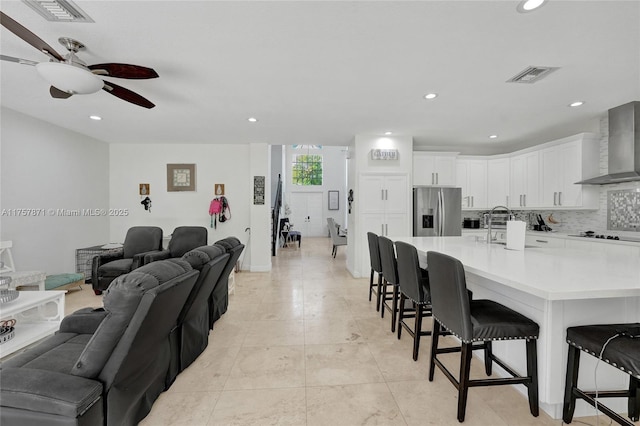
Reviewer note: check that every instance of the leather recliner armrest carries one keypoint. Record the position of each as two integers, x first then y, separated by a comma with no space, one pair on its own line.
48,391
101,259
155,256
138,259
83,321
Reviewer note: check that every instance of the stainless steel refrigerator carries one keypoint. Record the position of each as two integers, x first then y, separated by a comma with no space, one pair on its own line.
437,211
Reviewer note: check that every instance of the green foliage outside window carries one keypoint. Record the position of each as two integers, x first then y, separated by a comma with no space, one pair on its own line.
307,169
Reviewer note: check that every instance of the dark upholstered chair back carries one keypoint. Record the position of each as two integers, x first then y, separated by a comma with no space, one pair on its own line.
141,239
449,297
220,297
374,252
185,238
388,260
210,261
413,283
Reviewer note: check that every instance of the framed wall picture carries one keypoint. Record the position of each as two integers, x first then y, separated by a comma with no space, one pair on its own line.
181,177
334,200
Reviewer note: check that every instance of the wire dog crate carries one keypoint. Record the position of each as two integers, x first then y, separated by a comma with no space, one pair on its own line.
84,259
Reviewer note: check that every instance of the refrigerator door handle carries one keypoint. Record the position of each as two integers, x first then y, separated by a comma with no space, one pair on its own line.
443,214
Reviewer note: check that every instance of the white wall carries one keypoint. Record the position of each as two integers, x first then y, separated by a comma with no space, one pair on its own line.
334,177
46,168
227,164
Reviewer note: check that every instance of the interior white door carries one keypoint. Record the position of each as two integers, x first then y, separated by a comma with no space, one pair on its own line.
306,213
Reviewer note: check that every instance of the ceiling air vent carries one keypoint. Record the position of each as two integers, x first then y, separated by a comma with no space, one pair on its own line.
58,10
532,74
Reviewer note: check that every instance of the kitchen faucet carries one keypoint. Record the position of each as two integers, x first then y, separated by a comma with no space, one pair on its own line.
489,238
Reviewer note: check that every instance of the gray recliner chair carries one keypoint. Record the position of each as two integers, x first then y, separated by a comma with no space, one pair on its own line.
219,299
104,366
190,337
183,239
139,241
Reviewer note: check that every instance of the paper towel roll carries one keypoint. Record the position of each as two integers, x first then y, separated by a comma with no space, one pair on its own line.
516,230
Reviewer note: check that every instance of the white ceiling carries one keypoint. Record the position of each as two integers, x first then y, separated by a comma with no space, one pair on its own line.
321,72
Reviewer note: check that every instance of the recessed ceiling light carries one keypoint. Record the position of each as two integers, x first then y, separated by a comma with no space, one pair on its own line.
431,96
576,104
493,136
529,5
387,133
252,119
95,117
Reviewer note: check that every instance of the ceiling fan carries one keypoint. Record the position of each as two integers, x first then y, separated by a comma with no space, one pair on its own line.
69,75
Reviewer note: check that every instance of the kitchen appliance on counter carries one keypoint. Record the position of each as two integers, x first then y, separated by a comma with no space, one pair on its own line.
471,223
498,220
437,211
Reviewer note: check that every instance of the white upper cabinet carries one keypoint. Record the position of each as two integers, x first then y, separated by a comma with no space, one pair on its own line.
498,182
471,176
434,168
563,165
524,183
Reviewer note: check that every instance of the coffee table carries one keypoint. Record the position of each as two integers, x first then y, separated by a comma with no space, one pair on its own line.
38,314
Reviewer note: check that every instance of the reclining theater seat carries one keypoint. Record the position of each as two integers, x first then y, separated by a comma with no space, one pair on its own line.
183,239
219,300
104,366
191,335
139,241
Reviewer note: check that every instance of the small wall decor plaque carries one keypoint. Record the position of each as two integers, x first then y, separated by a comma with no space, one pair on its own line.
334,200
258,190
384,154
145,189
181,177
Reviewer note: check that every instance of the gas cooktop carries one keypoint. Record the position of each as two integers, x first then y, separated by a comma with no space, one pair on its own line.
606,237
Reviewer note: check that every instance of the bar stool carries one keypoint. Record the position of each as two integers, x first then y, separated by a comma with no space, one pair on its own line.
476,321
390,275
376,267
414,286
617,345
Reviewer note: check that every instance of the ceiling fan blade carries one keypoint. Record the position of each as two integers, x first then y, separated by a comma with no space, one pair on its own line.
58,94
127,95
28,36
17,60
135,72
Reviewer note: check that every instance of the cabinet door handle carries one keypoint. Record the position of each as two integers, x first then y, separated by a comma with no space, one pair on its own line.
382,194
386,229
386,194
473,201
382,229
524,197
437,178
433,178
506,200
555,194
542,241
559,198
520,200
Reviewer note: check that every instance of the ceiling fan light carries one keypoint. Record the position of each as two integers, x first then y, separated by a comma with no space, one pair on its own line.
69,78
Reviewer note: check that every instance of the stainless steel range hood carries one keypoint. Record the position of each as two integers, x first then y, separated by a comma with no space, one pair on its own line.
624,146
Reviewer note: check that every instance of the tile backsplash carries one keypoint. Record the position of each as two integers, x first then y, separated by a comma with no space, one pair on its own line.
625,209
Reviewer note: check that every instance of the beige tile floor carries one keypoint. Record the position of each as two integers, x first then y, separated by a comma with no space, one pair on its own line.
302,345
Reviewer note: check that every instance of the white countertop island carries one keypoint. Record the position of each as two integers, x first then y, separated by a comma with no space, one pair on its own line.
557,288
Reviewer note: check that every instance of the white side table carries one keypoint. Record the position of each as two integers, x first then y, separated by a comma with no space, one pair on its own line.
27,278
